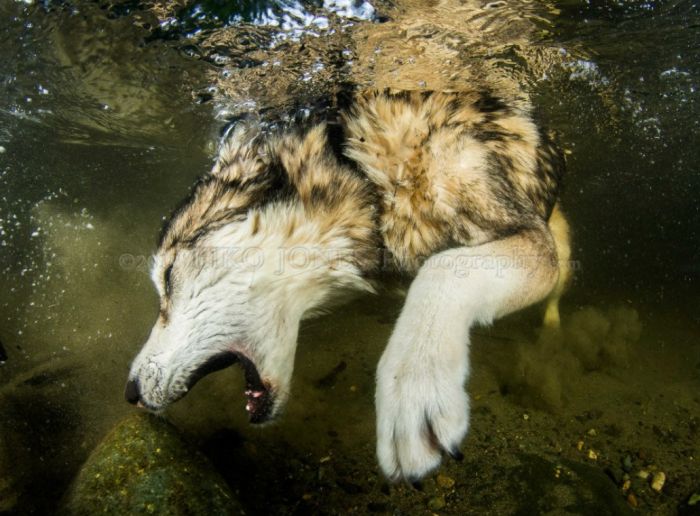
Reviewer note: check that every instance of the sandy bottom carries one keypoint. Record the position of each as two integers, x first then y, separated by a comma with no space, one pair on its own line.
560,422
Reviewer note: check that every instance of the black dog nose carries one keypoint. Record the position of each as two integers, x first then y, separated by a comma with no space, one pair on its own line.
131,393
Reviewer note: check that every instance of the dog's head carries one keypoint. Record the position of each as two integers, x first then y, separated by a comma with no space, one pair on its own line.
239,265
217,309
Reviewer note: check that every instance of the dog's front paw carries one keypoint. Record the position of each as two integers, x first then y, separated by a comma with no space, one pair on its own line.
422,412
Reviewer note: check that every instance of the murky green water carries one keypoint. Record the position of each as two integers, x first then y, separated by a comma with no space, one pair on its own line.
108,111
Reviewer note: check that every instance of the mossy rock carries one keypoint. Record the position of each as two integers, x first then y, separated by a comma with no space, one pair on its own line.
144,467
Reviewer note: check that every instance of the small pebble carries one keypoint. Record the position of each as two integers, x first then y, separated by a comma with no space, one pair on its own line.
445,482
643,474
626,485
592,454
2,149
526,416
592,432
658,481
579,445
632,500
437,503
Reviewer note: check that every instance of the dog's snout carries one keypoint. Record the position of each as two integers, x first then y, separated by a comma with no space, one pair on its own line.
131,393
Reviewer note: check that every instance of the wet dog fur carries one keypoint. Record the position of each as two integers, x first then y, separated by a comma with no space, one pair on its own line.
456,189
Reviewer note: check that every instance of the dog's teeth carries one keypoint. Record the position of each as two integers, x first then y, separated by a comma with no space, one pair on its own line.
248,392
257,394
249,407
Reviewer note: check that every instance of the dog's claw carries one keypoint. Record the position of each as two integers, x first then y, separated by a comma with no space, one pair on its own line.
456,455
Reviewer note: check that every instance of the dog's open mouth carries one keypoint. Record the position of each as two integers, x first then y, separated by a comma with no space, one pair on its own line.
259,395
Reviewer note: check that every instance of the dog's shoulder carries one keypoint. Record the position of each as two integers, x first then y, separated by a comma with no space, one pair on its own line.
451,168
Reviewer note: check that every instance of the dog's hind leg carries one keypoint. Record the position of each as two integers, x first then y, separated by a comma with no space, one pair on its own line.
422,407
559,228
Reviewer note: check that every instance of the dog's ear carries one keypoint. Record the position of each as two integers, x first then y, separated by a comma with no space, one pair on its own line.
313,143
303,149
241,151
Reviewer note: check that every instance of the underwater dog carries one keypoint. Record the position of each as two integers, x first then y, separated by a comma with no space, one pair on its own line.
457,189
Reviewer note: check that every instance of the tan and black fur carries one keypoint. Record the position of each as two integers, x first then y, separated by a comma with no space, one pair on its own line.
413,147
414,197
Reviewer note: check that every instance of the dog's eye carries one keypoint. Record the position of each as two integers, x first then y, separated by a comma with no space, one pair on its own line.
167,280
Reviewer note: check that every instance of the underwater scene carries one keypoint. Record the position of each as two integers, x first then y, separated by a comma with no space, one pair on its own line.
110,110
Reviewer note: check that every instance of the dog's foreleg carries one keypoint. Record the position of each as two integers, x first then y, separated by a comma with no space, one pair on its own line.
422,407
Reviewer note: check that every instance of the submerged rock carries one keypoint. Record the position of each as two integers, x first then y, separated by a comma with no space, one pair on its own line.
144,467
